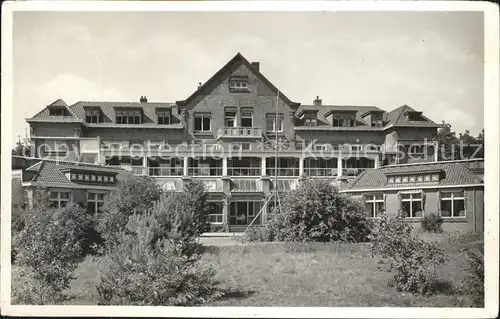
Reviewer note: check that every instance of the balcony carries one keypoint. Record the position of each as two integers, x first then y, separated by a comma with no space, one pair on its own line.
166,171
239,132
320,171
352,172
205,171
287,172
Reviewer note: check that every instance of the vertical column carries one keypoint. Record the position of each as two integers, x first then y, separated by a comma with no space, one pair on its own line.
339,165
436,150
224,166
186,162
145,165
263,165
301,166
225,212
377,161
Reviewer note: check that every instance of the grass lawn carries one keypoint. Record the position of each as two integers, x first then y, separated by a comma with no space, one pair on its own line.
330,275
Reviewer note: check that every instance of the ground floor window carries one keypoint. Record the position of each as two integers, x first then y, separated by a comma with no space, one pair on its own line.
242,213
374,204
59,199
452,204
411,205
215,212
95,201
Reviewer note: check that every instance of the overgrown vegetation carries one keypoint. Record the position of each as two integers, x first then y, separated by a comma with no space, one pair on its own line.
135,194
49,248
412,261
473,284
432,223
315,211
156,259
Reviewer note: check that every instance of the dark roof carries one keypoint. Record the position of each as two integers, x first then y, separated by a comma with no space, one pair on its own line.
44,114
18,193
396,117
454,174
108,110
236,60
52,171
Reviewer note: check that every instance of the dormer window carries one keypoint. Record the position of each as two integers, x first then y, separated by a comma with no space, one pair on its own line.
343,121
238,83
93,116
56,111
310,118
164,117
129,117
414,116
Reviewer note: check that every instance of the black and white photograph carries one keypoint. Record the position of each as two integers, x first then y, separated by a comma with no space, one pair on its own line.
250,159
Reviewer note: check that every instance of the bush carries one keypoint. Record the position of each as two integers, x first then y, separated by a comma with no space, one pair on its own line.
147,269
432,223
28,289
316,211
135,194
412,261
51,244
257,233
473,284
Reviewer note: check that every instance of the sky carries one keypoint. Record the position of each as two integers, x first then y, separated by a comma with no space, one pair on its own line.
431,61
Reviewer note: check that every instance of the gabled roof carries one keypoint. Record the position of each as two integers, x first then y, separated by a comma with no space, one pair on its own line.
44,114
237,59
108,110
454,174
396,117
52,171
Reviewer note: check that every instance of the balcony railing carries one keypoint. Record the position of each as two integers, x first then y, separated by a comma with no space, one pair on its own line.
244,171
205,171
289,171
138,170
166,171
227,132
314,171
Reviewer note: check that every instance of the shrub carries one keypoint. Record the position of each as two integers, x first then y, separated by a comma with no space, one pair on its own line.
432,223
51,244
134,194
29,290
473,284
147,269
412,261
257,233
316,211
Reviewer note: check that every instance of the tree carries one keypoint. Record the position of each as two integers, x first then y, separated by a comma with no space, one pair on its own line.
470,146
448,141
134,194
22,148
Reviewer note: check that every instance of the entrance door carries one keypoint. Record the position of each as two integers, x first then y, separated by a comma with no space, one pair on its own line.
242,213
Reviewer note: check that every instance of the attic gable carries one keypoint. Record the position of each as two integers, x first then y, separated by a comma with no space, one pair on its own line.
238,80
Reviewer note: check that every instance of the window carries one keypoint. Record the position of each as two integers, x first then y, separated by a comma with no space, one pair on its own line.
343,121
311,122
215,212
273,123
164,117
201,123
58,111
416,150
246,118
230,119
411,204
452,204
414,116
128,117
95,201
356,148
377,123
238,84
374,204
59,199
92,116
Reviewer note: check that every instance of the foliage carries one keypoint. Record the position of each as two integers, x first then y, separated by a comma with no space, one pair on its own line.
29,289
316,211
473,284
22,148
432,223
453,147
411,260
134,194
146,269
51,243
257,234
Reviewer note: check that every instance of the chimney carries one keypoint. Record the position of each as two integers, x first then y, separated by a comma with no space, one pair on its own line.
199,85
317,101
143,99
256,66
